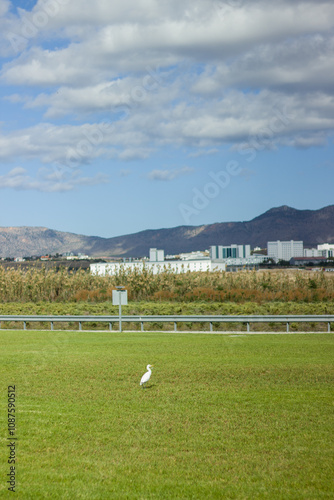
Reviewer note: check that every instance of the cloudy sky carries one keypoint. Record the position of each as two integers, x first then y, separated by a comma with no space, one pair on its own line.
139,114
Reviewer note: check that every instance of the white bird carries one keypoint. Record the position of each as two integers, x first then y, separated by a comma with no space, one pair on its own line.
146,377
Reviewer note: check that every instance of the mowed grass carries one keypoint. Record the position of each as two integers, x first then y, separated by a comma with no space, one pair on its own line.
239,417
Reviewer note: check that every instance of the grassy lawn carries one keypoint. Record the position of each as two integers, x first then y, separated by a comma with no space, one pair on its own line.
235,417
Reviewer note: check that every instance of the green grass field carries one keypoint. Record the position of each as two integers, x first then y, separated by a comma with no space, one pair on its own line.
224,416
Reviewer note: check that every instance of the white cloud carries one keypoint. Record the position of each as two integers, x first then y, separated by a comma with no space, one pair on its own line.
108,39
120,80
129,154
168,174
204,152
120,96
125,172
268,118
305,141
246,173
48,180
4,7
295,65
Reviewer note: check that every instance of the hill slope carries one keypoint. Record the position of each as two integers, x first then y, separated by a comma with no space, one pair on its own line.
282,223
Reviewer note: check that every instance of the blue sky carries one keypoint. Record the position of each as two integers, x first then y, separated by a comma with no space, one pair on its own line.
128,115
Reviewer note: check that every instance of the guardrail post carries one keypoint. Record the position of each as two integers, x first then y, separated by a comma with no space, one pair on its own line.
51,325
329,327
142,326
287,328
24,325
248,329
110,325
211,326
80,325
175,326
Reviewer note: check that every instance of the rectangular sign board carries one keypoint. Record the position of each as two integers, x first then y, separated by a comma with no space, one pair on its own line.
116,295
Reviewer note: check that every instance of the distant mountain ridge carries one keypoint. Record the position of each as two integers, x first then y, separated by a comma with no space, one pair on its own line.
281,223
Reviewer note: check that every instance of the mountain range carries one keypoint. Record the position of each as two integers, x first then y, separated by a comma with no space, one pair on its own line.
282,223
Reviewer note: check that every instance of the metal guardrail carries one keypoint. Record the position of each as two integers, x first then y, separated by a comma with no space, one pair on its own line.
211,319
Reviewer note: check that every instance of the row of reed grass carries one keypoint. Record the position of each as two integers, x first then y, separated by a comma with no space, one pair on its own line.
35,285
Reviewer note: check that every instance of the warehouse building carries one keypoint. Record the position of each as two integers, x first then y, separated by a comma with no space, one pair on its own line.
157,264
236,257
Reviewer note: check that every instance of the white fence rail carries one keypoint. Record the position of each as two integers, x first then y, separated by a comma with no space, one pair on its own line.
174,319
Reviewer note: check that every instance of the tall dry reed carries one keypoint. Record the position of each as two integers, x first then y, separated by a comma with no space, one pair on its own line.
61,285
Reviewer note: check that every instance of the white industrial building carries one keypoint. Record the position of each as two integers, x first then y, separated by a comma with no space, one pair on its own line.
314,252
218,252
285,250
327,248
157,264
157,255
236,255
248,262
